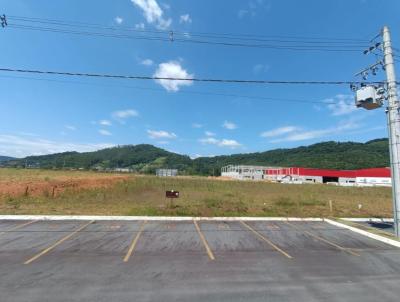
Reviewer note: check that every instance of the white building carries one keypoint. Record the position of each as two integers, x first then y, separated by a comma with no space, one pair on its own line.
243,172
166,172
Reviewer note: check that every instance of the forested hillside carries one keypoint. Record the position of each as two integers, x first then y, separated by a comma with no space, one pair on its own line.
147,158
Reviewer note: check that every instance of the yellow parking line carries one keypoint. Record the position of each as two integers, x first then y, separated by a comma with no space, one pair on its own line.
17,227
45,251
266,240
203,239
134,242
324,240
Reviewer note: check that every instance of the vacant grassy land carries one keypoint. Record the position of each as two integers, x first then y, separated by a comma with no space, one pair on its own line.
144,195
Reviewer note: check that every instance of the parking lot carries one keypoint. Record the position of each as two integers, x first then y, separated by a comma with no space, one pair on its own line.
193,261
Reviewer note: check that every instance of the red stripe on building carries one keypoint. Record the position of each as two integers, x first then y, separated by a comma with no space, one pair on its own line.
373,172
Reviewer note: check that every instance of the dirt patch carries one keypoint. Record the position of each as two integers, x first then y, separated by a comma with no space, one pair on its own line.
54,187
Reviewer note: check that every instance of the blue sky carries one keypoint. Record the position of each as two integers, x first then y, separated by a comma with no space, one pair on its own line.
45,114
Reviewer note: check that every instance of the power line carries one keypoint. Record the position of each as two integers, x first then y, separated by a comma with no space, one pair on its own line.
253,37
293,47
272,99
274,42
137,77
49,29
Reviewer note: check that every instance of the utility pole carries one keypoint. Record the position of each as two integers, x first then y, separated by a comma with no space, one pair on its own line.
372,97
394,125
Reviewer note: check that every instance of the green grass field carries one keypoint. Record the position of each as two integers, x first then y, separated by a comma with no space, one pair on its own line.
145,195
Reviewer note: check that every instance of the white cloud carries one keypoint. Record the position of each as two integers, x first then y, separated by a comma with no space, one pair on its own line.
302,135
161,134
260,68
209,141
209,133
242,13
163,142
118,20
105,123
230,143
166,6
28,134
343,104
197,125
70,127
229,125
279,131
147,62
185,19
19,146
105,132
140,26
153,13
172,69
253,8
122,115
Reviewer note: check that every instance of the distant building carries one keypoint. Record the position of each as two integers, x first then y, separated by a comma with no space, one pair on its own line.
243,172
362,177
123,170
166,172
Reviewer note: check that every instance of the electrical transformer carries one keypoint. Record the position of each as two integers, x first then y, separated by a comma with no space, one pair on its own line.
369,97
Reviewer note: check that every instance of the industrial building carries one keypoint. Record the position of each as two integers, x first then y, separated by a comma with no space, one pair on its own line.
243,172
362,177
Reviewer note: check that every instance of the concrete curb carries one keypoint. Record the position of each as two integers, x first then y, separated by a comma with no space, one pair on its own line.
368,219
150,218
365,233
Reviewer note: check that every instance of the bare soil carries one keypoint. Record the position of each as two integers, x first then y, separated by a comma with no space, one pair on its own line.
56,184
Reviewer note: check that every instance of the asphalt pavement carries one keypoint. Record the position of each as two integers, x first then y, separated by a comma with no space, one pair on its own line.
193,261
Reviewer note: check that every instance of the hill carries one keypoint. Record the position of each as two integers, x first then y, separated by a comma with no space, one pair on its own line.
141,158
147,158
5,158
325,155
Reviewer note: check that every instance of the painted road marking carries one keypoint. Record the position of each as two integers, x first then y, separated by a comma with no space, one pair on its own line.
134,242
272,226
262,237
203,239
223,226
45,251
170,226
324,240
17,227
